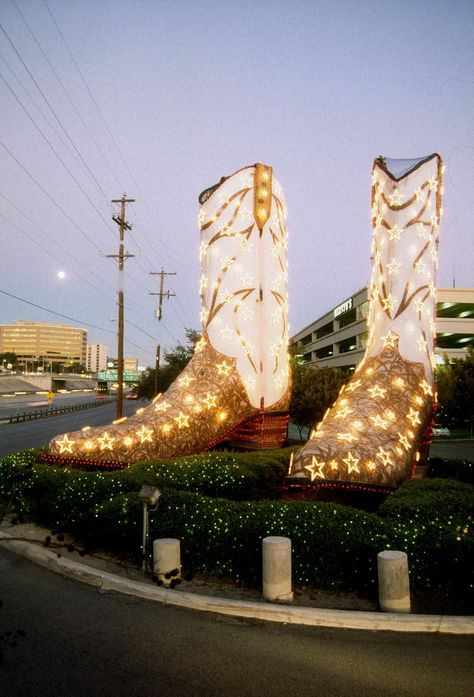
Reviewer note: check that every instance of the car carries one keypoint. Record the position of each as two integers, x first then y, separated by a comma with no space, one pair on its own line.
441,431
131,395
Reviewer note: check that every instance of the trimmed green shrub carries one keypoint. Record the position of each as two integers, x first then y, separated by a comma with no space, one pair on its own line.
334,546
431,520
236,476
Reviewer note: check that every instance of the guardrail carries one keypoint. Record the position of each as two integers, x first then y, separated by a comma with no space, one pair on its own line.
52,411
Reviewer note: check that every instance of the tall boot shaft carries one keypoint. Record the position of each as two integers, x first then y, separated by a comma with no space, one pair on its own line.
406,213
373,433
244,279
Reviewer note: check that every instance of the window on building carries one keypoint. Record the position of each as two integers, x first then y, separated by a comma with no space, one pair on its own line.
306,340
325,352
325,330
348,345
347,318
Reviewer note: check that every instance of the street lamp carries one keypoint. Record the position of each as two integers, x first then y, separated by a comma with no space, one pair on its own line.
149,496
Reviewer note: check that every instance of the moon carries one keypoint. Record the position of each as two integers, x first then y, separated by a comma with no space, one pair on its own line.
61,274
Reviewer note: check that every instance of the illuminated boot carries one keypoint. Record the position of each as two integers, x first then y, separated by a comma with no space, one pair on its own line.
236,386
372,434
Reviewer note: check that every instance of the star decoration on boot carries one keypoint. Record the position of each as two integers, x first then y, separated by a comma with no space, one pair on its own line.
316,468
404,441
210,400
426,387
396,198
248,313
351,462
343,412
419,304
246,280
89,445
395,232
433,184
145,434
422,344
347,437
185,381
390,340
128,442
376,391
106,441
201,344
223,369
385,456
203,250
249,349
65,444
182,420
227,333
162,406
414,417
378,422
388,303
394,267
250,382
353,386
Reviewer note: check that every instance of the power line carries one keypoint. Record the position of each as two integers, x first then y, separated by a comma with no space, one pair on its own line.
94,101
71,319
52,240
50,197
54,150
51,108
68,97
89,91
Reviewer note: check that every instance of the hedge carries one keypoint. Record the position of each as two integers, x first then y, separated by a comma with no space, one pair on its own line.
431,520
334,546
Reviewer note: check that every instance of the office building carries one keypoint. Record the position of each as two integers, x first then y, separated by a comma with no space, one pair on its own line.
44,342
96,358
339,337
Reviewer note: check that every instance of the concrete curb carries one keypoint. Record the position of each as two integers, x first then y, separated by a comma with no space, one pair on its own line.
441,624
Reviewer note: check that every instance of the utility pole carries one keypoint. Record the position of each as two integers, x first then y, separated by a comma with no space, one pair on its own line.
123,225
159,313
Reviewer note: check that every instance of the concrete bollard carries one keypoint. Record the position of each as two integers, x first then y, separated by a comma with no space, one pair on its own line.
167,559
394,584
276,569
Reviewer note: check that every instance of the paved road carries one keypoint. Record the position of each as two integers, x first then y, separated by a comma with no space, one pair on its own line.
80,642
30,434
453,449
14,404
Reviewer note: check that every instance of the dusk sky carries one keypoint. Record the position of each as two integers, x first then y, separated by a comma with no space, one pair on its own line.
160,99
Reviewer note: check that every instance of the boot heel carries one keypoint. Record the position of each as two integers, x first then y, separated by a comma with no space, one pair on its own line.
264,431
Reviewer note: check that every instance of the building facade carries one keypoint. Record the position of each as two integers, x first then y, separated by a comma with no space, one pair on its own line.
96,358
40,341
339,337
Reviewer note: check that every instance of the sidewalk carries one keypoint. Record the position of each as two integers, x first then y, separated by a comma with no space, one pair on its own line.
308,608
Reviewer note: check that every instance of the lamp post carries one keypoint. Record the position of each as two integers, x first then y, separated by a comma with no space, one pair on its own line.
149,496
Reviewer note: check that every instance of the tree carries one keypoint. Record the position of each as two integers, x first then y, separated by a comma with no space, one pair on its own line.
8,358
314,391
456,390
176,360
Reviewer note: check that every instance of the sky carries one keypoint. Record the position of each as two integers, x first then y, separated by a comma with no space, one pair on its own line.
159,99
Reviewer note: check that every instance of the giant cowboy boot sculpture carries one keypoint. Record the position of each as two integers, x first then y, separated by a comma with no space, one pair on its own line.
372,435
236,386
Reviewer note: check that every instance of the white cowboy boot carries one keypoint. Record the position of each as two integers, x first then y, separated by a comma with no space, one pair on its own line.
236,386
372,435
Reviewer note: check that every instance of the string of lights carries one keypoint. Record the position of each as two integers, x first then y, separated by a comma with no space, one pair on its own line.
72,319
